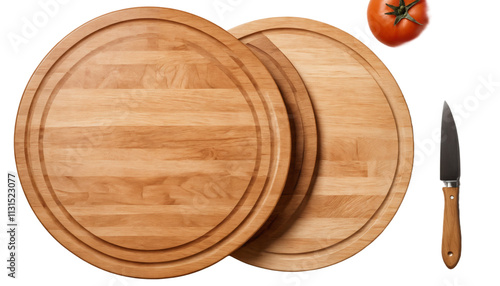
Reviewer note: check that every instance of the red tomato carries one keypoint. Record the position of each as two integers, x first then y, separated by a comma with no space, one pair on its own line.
394,22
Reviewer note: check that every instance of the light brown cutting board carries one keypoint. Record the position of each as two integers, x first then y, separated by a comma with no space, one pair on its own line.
152,143
365,152
303,130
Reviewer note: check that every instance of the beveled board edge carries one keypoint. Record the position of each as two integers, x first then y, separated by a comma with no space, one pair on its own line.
382,217
304,143
252,222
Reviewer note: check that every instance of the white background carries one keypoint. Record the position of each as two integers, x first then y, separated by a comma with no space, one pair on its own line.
452,60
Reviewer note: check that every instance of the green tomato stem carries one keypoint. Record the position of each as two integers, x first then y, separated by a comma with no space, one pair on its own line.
402,11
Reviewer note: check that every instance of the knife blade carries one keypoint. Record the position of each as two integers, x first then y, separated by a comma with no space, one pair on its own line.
451,247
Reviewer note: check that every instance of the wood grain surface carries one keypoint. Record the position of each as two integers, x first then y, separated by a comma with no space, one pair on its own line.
152,143
451,248
303,131
365,153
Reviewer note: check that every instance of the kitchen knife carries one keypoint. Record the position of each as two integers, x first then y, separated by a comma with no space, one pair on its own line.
450,174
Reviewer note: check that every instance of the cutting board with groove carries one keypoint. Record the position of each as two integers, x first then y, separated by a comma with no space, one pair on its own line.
303,131
365,152
152,143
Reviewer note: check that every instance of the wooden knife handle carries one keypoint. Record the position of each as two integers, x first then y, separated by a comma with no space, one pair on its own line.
452,238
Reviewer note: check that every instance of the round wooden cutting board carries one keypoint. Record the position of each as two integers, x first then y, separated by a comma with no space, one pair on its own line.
152,143
365,152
